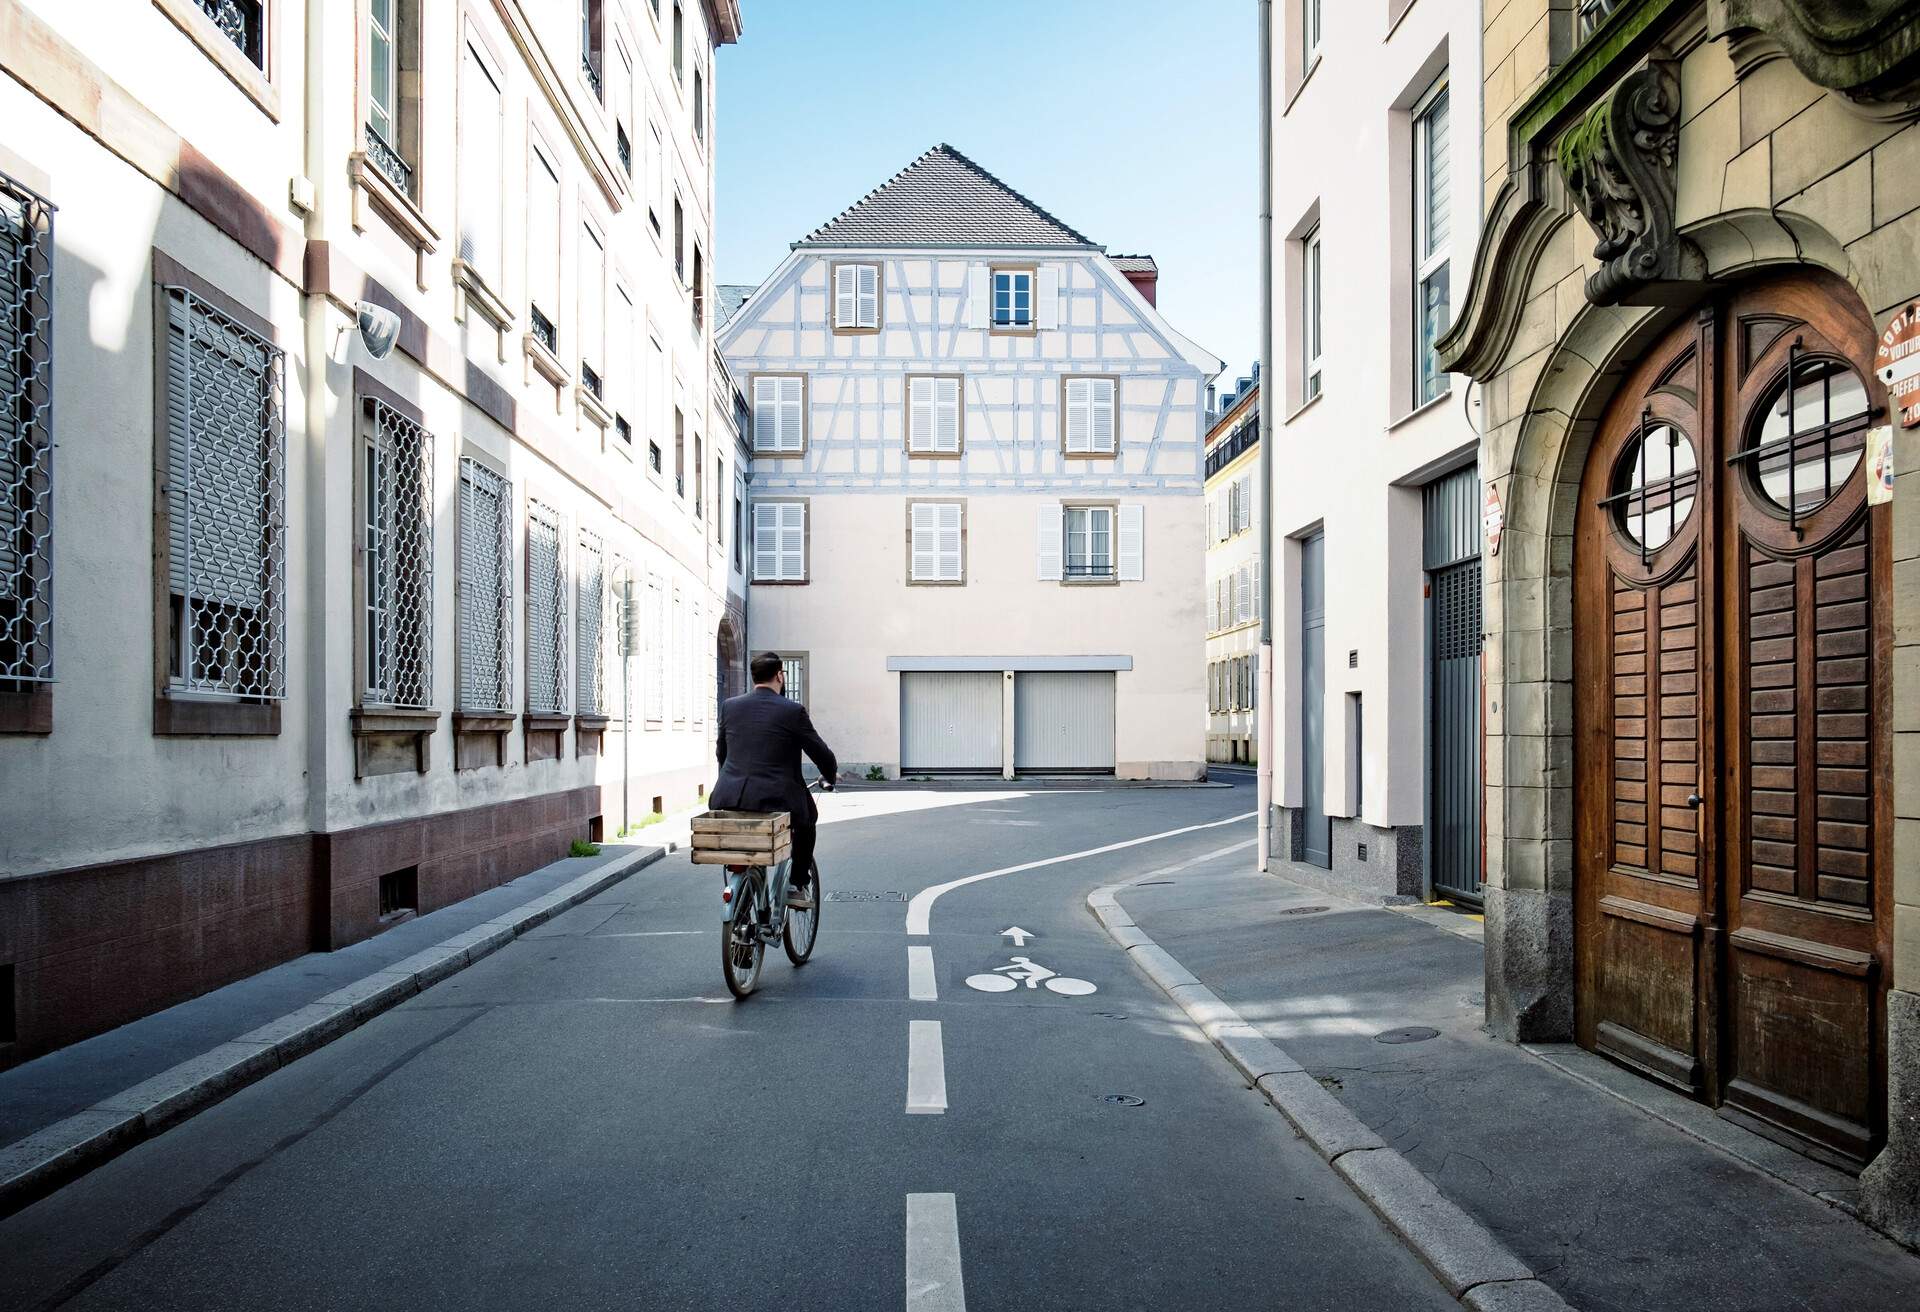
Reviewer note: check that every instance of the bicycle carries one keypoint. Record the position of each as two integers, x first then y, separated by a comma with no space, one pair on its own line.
757,914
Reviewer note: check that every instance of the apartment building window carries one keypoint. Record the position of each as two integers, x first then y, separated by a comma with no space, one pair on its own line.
655,400
593,46
1310,266
739,524
1593,13
485,661
623,430
680,677
779,414
396,484
679,40
26,439
1092,542
1089,542
1310,32
656,638
699,103
794,666
543,251
699,290
593,319
936,541
1088,404
620,357
856,298
934,417
589,608
1013,298
779,542
547,675
719,492
699,479
679,452
243,22
623,100
679,242
653,457
656,174
482,166
1430,233
224,504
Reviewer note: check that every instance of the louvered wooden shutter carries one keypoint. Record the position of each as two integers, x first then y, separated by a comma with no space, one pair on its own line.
1100,406
948,543
1078,420
793,540
766,542
1133,543
791,435
1047,311
946,415
867,296
1258,599
920,414
1050,541
1213,612
979,294
924,534
846,309
766,414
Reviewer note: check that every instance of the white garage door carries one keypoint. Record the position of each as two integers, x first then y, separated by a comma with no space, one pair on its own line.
950,720
1063,720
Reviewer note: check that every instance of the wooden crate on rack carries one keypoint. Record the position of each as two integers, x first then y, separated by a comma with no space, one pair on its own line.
742,838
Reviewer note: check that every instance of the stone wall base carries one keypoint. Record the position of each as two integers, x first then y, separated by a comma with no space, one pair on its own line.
1890,1186
1389,869
1529,965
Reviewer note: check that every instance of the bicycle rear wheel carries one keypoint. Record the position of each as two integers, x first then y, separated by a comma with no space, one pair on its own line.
741,950
803,927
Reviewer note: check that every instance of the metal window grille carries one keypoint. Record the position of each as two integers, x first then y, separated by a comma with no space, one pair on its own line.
486,589
624,148
546,611
26,435
225,502
1593,13
243,22
399,560
590,606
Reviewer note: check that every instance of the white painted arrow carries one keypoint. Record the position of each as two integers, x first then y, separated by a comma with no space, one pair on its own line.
1017,934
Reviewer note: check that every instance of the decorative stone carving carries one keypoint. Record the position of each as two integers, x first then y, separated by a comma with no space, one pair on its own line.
1866,50
1618,163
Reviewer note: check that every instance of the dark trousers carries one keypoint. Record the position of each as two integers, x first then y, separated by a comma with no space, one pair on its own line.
802,826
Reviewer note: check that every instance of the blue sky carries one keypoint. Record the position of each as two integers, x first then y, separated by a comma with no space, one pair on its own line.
1134,121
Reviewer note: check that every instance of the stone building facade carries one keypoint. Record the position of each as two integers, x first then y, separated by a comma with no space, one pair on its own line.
1233,573
1702,653
357,369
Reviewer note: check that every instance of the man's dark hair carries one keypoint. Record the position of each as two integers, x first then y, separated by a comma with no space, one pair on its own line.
766,665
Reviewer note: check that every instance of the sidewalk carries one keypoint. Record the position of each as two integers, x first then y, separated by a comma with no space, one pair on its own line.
1607,1201
65,1112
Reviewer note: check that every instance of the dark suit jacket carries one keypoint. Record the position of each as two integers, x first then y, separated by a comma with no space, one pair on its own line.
762,735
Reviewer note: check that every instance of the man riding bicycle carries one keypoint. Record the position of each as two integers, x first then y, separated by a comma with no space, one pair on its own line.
762,734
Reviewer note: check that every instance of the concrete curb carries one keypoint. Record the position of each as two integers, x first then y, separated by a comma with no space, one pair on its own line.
1475,1267
33,1167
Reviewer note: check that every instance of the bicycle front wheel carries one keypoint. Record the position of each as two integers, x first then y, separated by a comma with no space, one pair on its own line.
803,927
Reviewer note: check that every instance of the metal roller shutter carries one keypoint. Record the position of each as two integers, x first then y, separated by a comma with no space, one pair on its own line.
1063,721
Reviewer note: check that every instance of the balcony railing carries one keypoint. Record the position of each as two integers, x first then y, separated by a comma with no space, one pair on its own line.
624,147
242,22
1593,13
592,70
589,379
1099,569
543,330
389,161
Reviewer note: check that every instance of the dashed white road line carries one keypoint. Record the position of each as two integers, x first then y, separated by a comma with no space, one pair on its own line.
933,1255
920,982
926,1071
921,907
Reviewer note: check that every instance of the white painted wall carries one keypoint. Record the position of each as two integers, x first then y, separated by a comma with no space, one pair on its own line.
1227,553
1351,461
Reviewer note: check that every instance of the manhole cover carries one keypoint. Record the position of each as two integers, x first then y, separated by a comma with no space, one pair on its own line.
1407,1034
1124,1100
865,895
1304,911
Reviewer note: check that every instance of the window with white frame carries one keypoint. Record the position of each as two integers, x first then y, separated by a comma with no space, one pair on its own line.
590,611
779,414
1090,427
622,101
655,401
856,297
1089,542
794,666
933,415
620,361
1430,239
1012,298
656,172
936,540
485,666
696,642
1309,32
699,104
1310,315
656,640
26,438
779,542
396,487
225,502
392,139
482,162
1092,542
547,670
593,317
681,677
543,250
593,45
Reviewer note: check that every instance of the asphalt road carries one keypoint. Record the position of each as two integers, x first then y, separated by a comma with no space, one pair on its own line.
585,1119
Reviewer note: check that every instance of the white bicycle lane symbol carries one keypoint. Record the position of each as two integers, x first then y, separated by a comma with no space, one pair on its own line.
1026,970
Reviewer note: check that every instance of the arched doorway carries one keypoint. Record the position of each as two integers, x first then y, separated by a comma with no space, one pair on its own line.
729,678
1732,624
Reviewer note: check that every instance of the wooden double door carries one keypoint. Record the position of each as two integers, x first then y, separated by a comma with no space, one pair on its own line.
1733,858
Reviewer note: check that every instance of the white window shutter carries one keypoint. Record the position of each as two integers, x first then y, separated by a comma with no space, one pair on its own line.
1257,598
1049,542
791,431
793,540
766,414
867,295
924,533
846,308
1133,543
946,415
766,542
1047,309
1213,613
1101,407
1078,420
948,544
920,414
979,293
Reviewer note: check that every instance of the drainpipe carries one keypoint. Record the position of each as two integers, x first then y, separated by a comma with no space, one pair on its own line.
1268,375
314,367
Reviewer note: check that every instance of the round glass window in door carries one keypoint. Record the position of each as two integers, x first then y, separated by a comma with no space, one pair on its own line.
1811,435
1654,485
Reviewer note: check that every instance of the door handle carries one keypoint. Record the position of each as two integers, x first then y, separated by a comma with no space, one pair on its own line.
1694,800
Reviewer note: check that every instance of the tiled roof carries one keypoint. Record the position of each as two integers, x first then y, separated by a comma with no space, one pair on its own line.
945,199
732,296
1134,263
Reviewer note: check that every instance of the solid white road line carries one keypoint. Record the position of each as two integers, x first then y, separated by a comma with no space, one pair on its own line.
926,1069
920,983
933,1255
921,908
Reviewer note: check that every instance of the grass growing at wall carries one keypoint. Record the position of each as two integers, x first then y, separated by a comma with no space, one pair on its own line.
875,774
650,818
581,847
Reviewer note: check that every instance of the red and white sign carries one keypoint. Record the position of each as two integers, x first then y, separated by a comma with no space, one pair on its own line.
1492,520
1880,465
1897,364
